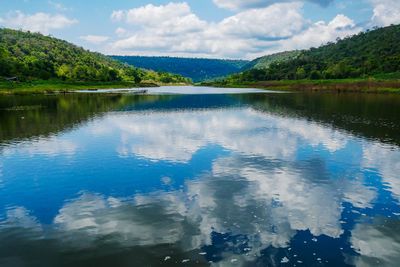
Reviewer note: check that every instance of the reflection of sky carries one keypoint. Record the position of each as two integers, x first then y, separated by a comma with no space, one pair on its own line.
184,90
234,178
377,242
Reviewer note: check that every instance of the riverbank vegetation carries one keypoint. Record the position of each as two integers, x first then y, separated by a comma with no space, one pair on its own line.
370,85
57,86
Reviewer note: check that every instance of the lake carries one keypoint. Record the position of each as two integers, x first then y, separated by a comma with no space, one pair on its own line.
213,178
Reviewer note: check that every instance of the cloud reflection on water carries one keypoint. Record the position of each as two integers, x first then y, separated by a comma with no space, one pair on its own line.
176,136
385,159
281,175
52,147
378,243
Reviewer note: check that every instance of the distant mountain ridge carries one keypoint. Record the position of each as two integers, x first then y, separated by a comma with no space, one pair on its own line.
198,69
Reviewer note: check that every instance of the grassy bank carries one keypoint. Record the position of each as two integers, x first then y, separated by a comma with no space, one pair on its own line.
55,86
345,85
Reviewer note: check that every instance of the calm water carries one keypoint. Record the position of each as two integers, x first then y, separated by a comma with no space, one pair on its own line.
200,180
187,90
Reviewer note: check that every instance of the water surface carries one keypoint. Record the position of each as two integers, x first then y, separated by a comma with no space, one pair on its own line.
182,90
200,180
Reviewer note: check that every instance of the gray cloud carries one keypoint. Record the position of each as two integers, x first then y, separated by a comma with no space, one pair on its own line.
244,4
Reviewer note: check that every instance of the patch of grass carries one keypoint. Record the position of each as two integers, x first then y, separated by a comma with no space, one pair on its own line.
388,76
370,85
56,86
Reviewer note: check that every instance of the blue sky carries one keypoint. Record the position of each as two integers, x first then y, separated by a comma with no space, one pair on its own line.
198,28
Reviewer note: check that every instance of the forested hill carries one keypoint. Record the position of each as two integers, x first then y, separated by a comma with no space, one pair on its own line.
265,61
30,56
198,69
371,53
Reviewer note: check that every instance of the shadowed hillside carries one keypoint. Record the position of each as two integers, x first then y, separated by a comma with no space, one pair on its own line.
198,69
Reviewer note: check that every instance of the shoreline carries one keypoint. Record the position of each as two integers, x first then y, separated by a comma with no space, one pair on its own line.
331,86
59,87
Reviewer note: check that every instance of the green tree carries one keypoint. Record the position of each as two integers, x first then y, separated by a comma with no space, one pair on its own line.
315,75
64,72
300,73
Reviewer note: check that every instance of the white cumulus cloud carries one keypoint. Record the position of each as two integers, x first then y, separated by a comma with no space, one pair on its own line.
177,30
385,12
321,33
275,21
174,18
38,22
173,29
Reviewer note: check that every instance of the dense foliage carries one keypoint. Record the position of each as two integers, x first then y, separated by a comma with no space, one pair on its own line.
198,69
266,61
30,56
366,54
